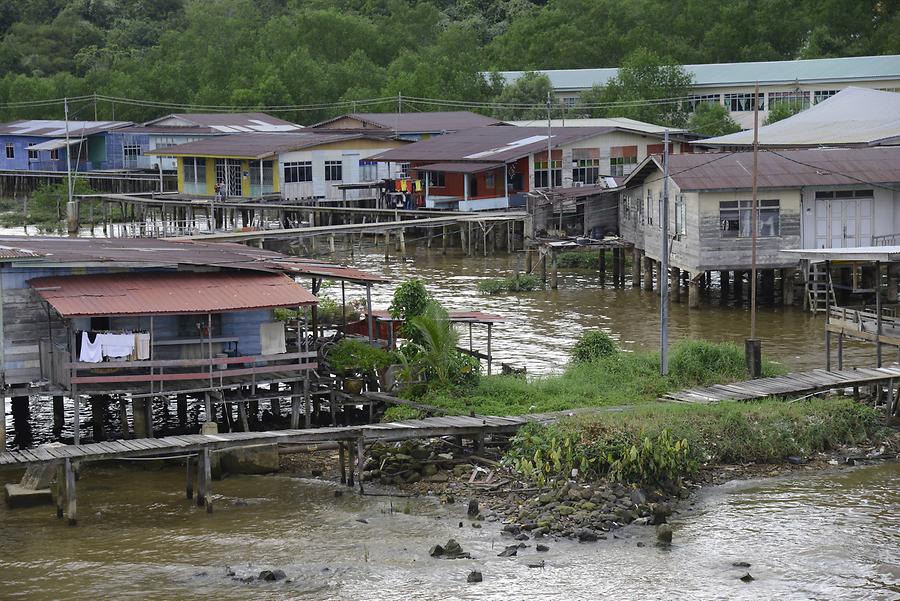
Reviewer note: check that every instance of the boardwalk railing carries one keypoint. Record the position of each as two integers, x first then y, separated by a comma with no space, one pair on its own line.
863,323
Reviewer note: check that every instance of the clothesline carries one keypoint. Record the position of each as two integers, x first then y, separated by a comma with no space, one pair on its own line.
96,345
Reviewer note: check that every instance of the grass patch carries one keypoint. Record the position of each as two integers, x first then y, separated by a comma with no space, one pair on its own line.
650,444
616,379
578,259
398,413
518,283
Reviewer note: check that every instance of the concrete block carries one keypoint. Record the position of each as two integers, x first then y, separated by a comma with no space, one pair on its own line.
19,496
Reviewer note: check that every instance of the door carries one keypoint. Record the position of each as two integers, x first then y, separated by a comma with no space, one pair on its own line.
228,171
843,222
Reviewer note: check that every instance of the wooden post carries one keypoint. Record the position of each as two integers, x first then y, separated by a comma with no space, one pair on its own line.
622,255
402,237
827,317
242,415
445,233
840,350
207,480
615,266
648,273
189,483
675,284
181,405
387,245
351,464
635,268
307,421
343,461
71,509
360,460
529,261
489,356
295,405
544,267
554,271
694,290
602,266
878,317
60,490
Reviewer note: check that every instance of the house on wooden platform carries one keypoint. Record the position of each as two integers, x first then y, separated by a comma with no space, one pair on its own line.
180,128
407,126
139,320
300,165
498,167
807,199
55,145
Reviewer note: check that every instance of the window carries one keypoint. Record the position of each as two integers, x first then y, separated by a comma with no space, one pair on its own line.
490,182
540,174
262,170
569,101
649,207
403,170
735,217
694,101
845,194
131,151
743,102
622,160
32,154
333,171
10,151
436,179
820,95
54,154
626,206
194,175
796,98
368,171
299,171
586,165
680,217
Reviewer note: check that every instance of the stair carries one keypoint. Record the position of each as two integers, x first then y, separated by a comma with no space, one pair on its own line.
819,288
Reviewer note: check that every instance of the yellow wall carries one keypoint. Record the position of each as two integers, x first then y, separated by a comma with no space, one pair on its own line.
210,176
179,162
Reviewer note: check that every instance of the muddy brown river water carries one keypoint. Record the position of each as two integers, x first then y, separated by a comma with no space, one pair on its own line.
811,536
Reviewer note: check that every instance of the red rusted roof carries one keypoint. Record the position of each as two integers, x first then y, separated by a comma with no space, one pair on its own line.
311,267
177,293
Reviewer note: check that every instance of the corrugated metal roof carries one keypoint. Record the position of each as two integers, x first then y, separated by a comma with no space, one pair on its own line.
780,169
256,145
149,252
622,122
226,122
169,293
844,69
56,128
460,167
416,123
854,116
488,144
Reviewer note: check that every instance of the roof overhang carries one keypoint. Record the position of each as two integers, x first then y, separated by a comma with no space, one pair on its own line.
169,293
460,167
885,254
56,144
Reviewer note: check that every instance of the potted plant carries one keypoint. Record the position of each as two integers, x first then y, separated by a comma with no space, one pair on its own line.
354,360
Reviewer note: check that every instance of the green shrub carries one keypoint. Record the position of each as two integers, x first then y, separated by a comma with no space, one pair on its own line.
517,283
410,300
398,413
578,259
700,363
357,356
593,345
329,312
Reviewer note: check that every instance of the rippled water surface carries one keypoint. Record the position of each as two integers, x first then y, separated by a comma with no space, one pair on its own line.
806,537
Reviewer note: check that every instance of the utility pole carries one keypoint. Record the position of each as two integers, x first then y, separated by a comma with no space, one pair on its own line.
752,346
664,266
95,106
71,207
549,145
399,111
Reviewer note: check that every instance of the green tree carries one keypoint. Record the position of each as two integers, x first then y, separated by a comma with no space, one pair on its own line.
712,120
644,77
783,110
525,98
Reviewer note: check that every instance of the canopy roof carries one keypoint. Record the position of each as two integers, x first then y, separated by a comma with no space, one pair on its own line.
885,254
176,293
852,117
55,144
460,167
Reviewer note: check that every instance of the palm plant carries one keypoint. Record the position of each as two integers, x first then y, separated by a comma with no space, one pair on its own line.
439,340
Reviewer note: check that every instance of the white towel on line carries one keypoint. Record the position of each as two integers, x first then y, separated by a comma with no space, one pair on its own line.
91,352
116,346
271,338
142,346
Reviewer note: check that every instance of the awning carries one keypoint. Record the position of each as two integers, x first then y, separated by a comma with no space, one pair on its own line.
168,293
55,144
885,254
460,167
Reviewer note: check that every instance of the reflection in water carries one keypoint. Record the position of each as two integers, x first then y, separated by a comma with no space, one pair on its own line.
806,536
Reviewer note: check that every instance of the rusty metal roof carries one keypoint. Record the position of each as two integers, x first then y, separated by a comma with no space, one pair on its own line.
150,252
489,144
779,168
169,293
257,145
415,123
459,167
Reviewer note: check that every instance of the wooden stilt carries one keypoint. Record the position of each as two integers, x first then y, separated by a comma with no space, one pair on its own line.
207,479
343,461
189,479
360,460
307,421
71,508
351,455
242,415
201,481
60,490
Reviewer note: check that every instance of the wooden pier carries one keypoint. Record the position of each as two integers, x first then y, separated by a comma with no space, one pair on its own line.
800,383
196,449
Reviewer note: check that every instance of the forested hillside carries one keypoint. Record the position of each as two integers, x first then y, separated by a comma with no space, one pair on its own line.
299,52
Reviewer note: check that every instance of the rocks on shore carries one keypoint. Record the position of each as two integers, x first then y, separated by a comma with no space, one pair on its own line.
451,550
474,576
411,462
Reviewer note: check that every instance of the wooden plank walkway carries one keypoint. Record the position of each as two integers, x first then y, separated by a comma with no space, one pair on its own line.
188,444
810,382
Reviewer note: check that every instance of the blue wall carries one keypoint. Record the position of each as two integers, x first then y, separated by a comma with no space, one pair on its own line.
111,159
